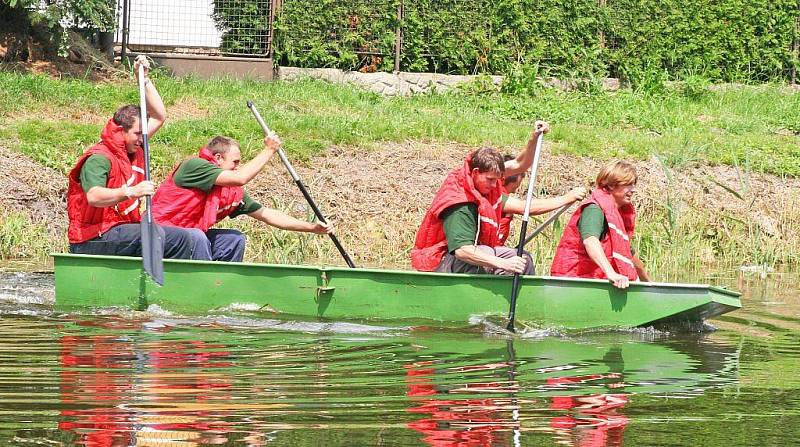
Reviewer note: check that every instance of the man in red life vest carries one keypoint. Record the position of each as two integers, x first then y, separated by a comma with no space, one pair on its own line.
460,232
205,189
107,182
597,241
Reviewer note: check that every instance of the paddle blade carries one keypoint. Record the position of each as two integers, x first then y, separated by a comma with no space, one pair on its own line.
152,250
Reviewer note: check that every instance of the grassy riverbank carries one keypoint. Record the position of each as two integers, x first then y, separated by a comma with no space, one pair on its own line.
756,126
680,133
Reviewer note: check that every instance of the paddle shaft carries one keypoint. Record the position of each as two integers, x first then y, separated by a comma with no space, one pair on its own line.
152,258
302,187
525,217
547,222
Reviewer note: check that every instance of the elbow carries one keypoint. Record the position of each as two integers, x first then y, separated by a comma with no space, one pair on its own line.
96,203
461,254
93,200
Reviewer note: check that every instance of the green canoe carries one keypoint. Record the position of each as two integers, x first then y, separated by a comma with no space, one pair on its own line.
198,287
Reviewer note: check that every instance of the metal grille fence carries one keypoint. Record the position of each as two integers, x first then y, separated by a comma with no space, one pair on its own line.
221,27
579,38
353,33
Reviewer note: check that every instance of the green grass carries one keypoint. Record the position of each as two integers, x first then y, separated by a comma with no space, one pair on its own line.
752,127
21,239
752,124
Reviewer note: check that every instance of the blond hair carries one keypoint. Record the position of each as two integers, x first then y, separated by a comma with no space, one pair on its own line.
617,172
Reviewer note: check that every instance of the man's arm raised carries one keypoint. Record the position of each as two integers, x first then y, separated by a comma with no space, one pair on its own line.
247,171
156,111
524,159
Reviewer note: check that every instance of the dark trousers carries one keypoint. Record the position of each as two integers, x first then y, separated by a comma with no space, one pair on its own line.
217,245
451,264
126,240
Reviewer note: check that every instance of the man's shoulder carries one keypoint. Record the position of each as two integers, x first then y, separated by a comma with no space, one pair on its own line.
97,160
593,209
98,157
464,208
196,163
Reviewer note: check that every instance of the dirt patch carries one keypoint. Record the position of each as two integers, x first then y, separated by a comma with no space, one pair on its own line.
74,116
33,189
186,108
378,197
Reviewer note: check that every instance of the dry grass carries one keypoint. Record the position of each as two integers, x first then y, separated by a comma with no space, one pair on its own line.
689,219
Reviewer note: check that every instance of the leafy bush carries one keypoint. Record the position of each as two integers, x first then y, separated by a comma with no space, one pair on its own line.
52,14
349,34
643,41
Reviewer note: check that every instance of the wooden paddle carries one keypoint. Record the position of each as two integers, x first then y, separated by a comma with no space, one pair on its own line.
525,218
302,187
152,244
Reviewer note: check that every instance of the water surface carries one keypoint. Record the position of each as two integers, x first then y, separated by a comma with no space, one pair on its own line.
154,379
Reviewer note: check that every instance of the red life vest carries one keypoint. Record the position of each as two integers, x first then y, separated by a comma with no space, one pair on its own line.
181,207
431,244
505,224
571,258
87,222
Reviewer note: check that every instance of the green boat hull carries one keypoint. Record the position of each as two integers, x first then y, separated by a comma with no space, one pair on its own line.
341,294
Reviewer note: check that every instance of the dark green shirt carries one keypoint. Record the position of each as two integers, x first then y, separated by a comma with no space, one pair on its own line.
94,172
460,224
201,174
592,222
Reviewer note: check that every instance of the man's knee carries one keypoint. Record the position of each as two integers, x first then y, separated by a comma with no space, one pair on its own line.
186,243
194,234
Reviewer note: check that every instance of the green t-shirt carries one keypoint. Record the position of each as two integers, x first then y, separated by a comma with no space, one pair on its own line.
94,172
460,224
201,174
592,222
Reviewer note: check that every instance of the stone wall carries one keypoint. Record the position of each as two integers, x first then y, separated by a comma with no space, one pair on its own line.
404,83
390,84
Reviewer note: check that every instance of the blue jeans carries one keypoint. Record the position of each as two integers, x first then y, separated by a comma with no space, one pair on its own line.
217,245
126,240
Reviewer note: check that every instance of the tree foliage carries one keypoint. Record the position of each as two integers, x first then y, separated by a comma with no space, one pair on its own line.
97,14
47,19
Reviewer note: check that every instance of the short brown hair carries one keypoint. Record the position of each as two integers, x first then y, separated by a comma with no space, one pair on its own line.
488,159
126,116
221,145
617,172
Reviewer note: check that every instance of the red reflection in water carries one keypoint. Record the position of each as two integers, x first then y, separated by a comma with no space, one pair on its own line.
591,421
459,422
594,420
106,379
